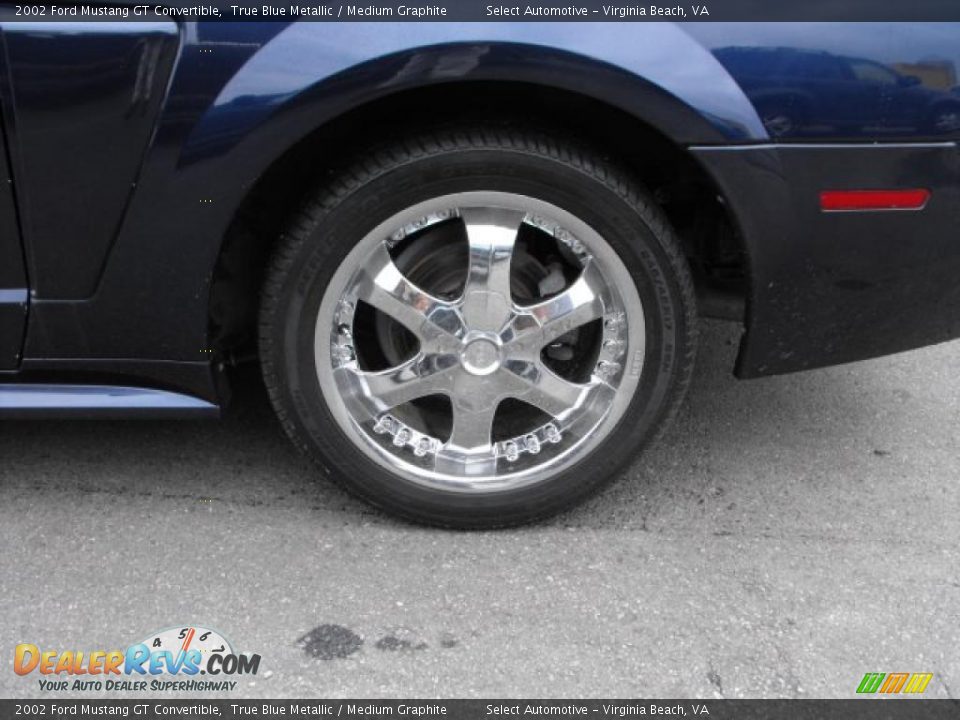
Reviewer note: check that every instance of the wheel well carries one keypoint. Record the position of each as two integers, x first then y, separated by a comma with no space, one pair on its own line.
679,185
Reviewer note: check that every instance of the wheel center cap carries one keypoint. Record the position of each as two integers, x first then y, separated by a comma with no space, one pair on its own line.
480,356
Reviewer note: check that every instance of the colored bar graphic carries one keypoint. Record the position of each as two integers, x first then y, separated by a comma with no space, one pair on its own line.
870,683
893,683
918,682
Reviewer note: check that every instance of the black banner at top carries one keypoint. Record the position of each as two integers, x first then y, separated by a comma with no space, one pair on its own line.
487,11
877,709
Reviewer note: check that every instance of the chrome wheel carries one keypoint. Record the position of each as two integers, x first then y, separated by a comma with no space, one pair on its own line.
479,342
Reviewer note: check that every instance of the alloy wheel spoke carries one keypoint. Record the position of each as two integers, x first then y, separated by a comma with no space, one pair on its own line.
538,385
578,305
491,235
418,377
472,428
387,289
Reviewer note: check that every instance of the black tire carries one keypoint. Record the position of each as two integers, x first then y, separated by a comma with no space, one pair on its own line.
399,176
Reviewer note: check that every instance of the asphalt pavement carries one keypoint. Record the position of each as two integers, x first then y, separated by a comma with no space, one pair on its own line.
787,536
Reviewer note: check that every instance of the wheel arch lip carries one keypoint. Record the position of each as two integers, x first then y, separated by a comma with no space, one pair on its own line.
300,79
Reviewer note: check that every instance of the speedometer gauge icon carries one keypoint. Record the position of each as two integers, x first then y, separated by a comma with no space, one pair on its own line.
180,640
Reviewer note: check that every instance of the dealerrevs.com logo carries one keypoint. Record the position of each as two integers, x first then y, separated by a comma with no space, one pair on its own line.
170,659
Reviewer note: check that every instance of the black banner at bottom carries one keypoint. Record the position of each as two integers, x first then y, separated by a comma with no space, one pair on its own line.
874,709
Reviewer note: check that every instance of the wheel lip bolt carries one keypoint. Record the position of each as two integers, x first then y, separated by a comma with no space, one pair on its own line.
343,353
384,425
613,346
422,447
552,434
613,322
606,370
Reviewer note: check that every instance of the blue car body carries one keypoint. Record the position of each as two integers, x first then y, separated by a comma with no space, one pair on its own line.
134,150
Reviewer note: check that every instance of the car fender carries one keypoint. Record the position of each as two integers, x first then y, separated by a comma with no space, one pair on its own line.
302,78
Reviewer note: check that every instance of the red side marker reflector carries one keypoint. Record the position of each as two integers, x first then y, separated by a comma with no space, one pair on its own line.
833,200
